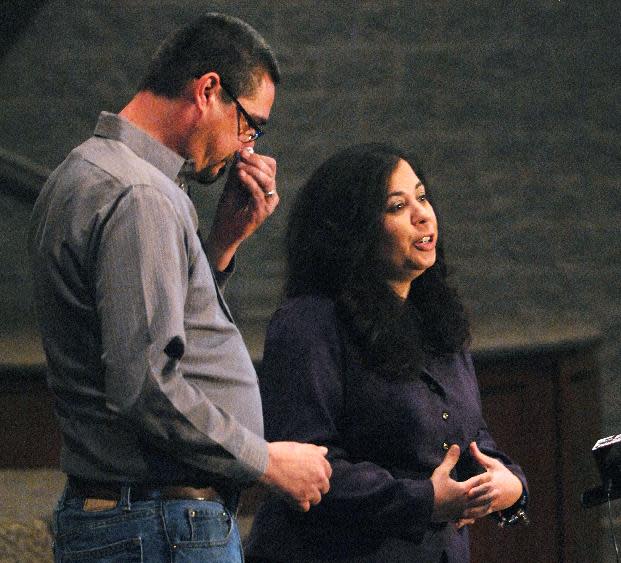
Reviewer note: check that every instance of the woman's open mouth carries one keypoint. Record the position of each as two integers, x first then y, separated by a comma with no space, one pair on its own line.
425,243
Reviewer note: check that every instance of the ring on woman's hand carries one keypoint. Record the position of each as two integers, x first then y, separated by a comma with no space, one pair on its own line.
270,193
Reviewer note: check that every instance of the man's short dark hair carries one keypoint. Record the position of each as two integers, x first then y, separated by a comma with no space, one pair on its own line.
212,43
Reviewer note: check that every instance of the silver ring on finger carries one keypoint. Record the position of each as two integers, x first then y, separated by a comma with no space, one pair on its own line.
270,193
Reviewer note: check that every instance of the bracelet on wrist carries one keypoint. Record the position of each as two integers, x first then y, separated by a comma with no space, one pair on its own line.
515,514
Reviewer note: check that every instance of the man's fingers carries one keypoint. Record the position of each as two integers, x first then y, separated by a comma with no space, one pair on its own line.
257,174
328,468
258,183
300,471
259,166
261,161
304,505
308,500
325,485
255,181
259,205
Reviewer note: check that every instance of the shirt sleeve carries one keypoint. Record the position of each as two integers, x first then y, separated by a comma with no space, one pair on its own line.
484,439
303,390
141,279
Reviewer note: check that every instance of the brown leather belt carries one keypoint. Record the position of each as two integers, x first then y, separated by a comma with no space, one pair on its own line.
80,488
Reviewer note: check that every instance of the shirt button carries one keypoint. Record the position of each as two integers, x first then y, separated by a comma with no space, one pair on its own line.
445,446
445,415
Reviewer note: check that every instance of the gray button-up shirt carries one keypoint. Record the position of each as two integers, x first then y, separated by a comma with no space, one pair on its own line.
152,380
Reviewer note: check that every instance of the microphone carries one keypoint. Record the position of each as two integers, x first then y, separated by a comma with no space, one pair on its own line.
607,454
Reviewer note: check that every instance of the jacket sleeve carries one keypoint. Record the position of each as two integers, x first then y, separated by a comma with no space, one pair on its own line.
303,387
486,442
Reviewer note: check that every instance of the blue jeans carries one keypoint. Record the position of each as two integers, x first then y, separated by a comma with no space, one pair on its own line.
151,531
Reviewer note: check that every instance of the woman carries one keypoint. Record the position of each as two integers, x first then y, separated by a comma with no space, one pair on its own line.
368,357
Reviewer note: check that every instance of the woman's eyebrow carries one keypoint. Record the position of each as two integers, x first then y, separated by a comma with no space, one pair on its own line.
401,192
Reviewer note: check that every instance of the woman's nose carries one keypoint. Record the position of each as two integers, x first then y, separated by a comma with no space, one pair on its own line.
420,214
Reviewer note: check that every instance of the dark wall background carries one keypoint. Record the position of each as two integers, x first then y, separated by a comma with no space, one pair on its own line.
513,108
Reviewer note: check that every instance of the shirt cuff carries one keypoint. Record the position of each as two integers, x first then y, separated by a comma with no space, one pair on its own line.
515,514
253,456
223,277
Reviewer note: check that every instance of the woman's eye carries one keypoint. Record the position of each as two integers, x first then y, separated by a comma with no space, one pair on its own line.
397,206
422,197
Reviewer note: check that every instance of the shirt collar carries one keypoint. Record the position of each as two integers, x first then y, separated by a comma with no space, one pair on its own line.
115,127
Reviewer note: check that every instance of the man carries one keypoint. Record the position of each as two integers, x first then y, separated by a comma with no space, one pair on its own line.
156,395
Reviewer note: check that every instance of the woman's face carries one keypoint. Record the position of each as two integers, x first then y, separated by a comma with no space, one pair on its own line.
410,229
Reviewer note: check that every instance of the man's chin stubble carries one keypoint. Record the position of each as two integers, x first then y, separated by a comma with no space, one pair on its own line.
205,177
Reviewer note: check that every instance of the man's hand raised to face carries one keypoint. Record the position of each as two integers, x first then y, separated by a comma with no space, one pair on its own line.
248,199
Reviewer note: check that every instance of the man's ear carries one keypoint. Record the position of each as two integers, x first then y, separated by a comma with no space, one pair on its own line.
205,89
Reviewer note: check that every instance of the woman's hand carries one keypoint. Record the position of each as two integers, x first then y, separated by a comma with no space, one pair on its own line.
505,487
455,501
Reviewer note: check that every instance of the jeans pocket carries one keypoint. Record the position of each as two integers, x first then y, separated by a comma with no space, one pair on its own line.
210,527
126,551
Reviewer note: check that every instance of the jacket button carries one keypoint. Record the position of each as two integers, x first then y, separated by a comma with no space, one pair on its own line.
445,446
445,415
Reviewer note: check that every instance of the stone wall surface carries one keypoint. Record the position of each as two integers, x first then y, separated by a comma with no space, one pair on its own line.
512,107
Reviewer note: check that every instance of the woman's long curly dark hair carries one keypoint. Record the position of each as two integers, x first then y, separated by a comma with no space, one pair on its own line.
332,249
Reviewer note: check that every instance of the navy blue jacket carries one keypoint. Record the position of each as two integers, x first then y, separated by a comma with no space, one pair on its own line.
385,438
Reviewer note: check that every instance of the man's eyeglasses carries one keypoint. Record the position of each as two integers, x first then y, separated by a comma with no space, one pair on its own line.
257,131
